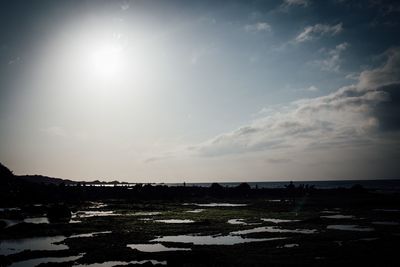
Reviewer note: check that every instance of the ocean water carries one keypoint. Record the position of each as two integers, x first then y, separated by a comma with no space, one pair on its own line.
382,185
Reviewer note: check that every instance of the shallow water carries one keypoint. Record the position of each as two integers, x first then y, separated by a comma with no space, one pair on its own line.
216,204
330,211
240,222
277,220
37,220
350,227
149,213
90,234
212,240
90,213
157,247
175,221
35,262
288,246
97,205
195,210
338,216
114,263
12,246
273,229
10,223
237,222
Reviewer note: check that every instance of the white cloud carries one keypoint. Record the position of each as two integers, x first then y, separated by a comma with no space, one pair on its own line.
354,115
287,4
125,6
333,60
296,3
258,27
312,88
317,30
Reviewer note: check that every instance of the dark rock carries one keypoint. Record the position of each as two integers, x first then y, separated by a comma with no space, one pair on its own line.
59,214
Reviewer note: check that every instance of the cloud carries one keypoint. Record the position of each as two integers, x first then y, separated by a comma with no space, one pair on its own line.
125,6
333,60
303,3
312,32
354,115
312,88
258,27
14,61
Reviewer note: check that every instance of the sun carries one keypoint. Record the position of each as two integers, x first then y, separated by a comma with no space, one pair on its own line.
106,60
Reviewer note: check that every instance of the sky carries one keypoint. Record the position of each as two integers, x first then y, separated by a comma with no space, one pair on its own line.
199,91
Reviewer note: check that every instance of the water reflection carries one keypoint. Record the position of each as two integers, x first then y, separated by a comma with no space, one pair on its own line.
240,222
288,246
272,220
115,263
37,220
35,262
157,247
12,246
216,204
175,221
195,211
273,229
88,214
212,240
338,216
350,227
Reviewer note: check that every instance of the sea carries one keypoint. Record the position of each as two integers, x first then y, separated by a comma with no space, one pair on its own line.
379,185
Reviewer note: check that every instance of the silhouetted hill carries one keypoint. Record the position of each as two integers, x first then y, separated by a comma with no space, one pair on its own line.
40,179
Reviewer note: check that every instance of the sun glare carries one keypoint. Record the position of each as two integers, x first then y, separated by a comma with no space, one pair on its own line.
106,60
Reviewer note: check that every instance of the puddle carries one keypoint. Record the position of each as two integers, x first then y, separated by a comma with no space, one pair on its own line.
277,220
35,262
338,216
195,211
288,246
114,263
157,247
273,229
145,219
97,205
240,222
386,223
216,204
12,246
90,234
237,221
212,240
88,214
149,213
37,220
175,221
10,223
349,227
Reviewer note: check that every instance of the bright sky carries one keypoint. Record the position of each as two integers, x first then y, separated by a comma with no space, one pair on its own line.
172,91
